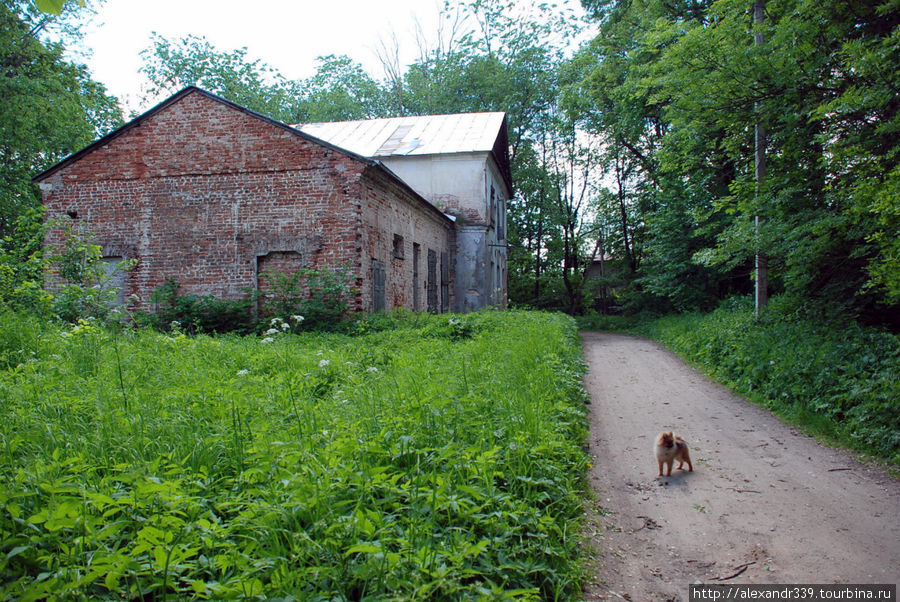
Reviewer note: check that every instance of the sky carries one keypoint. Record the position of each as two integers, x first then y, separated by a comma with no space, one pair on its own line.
287,35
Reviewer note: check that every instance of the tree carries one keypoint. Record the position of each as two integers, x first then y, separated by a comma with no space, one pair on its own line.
341,90
50,108
679,86
194,61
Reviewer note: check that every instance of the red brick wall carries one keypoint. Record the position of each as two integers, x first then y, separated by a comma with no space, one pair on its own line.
382,218
200,191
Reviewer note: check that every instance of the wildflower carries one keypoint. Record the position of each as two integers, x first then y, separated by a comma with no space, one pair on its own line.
243,372
273,331
267,340
297,318
323,363
274,321
285,326
371,369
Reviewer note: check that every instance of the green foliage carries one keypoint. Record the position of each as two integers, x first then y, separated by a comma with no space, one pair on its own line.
87,289
391,464
22,265
305,300
321,297
194,61
340,89
195,313
73,109
822,370
679,86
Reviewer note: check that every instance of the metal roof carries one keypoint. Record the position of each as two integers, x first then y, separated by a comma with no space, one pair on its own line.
416,135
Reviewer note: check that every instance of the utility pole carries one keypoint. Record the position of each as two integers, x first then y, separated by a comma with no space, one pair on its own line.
759,136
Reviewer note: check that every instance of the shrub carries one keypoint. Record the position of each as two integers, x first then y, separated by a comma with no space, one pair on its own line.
198,314
322,297
87,290
22,266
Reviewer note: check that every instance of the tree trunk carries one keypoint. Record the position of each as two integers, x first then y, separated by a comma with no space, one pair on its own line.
762,271
624,215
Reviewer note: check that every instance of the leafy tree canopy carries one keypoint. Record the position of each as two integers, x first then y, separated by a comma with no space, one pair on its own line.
50,107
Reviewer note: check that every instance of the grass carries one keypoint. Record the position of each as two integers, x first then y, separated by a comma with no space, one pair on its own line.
427,457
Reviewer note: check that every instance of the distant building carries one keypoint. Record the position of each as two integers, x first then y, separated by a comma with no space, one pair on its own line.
211,194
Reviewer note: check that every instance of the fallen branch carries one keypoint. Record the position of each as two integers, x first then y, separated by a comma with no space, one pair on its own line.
740,569
836,469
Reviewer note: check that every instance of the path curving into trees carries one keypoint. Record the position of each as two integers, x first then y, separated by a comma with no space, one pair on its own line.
765,504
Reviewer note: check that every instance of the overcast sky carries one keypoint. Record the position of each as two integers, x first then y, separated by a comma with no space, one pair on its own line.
285,34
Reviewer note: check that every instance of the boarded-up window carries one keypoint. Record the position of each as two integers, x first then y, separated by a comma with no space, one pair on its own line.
498,214
378,286
445,282
115,278
276,262
416,251
432,283
398,246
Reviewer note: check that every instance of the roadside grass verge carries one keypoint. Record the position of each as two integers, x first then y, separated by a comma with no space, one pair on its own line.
430,457
830,377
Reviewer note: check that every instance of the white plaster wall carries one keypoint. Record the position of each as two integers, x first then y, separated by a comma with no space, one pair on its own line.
460,184
452,182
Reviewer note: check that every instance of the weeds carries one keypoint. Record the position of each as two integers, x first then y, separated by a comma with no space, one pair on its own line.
433,460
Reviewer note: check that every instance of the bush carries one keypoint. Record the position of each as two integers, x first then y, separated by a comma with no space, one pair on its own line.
322,297
305,300
87,290
22,266
196,314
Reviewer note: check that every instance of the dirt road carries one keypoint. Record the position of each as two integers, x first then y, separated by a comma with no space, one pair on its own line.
764,504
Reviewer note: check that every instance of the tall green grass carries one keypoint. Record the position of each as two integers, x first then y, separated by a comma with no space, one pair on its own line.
831,376
439,458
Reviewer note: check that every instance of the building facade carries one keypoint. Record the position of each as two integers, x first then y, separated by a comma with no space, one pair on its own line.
212,195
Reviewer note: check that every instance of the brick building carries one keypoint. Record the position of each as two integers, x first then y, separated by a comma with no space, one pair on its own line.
209,193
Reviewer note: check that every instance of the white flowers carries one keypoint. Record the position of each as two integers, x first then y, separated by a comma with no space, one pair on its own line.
323,363
371,369
267,340
243,372
278,326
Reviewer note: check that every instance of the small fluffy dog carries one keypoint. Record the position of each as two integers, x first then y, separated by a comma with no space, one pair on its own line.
671,447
